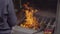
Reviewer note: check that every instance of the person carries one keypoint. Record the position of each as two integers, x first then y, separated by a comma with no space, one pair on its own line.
7,16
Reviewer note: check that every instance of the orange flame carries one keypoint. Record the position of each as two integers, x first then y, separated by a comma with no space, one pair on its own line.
31,21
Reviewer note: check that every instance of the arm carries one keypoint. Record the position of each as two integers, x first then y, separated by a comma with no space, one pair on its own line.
12,20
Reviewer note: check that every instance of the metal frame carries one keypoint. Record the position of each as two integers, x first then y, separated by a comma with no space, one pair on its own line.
57,29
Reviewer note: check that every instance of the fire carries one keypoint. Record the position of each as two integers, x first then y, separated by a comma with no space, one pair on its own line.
30,21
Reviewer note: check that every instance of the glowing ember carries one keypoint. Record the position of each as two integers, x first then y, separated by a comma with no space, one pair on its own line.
31,21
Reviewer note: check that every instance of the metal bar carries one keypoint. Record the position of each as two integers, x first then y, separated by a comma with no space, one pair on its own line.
57,29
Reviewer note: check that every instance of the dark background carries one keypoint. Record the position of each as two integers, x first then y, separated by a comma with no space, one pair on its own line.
38,4
42,4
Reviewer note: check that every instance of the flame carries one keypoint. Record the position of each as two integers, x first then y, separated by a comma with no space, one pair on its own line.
30,21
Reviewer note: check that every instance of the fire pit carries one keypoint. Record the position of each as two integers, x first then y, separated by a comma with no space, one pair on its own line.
36,19
44,24
34,24
31,21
